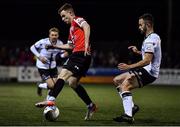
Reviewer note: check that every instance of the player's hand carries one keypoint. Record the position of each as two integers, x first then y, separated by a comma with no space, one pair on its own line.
123,66
43,59
49,46
87,53
133,48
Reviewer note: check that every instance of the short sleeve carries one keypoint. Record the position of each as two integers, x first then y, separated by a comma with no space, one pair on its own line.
80,21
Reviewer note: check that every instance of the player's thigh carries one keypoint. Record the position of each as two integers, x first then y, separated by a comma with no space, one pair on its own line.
51,82
130,82
73,81
65,74
118,80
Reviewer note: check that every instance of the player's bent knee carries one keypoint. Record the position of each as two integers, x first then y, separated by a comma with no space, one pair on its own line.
50,86
73,85
64,75
130,79
50,83
116,81
127,85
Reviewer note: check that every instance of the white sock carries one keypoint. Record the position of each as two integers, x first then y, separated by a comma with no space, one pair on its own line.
43,85
127,102
120,94
50,98
132,104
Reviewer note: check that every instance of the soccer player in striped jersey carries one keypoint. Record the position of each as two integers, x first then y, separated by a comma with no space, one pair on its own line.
78,62
45,61
141,73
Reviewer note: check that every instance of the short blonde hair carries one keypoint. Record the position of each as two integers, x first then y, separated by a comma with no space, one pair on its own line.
54,29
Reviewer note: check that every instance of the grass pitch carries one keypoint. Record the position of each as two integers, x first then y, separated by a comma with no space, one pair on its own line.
159,105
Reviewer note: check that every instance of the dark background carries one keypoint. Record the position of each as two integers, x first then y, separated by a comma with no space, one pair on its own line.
114,23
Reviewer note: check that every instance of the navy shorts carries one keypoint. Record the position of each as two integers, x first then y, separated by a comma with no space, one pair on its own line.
143,77
78,64
48,73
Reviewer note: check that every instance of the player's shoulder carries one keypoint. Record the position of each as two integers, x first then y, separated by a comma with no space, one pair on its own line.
153,37
79,20
41,41
44,40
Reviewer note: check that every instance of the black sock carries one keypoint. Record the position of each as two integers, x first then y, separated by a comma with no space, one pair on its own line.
83,94
57,88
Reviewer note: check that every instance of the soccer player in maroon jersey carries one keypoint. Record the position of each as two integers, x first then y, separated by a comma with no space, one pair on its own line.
78,62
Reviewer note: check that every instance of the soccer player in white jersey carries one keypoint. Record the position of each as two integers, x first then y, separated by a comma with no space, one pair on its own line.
45,62
141,73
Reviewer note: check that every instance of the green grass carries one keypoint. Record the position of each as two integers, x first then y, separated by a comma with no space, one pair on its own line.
159,105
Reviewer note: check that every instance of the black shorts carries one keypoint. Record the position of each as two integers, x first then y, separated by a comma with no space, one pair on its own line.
48,73
142,76
78,64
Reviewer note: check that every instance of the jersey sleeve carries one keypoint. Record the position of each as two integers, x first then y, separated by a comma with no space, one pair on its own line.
79,21
149,48
36,47
151,44
38,44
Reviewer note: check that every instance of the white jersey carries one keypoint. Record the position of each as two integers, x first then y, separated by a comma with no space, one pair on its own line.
152,44
39,50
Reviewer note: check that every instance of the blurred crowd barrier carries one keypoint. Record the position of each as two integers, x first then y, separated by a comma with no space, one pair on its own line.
16,56
18,63
107,56
94,75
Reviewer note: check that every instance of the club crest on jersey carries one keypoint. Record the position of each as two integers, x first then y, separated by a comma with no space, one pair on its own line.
79,20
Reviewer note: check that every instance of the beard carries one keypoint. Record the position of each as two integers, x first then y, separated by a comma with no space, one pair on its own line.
143,31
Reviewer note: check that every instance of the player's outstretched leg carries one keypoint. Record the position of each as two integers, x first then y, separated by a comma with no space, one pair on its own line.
92,108
52,94
44,104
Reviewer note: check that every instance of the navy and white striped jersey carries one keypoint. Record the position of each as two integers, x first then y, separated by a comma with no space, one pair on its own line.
39,50
152,44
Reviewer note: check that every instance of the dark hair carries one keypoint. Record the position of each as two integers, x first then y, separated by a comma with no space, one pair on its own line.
66,7
148,18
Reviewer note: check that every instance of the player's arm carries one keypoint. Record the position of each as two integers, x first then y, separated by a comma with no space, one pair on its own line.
86,28
64,54
64,46
33,49
147,60
134,50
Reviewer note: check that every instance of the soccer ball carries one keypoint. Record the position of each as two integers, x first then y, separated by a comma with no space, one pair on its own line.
51,113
